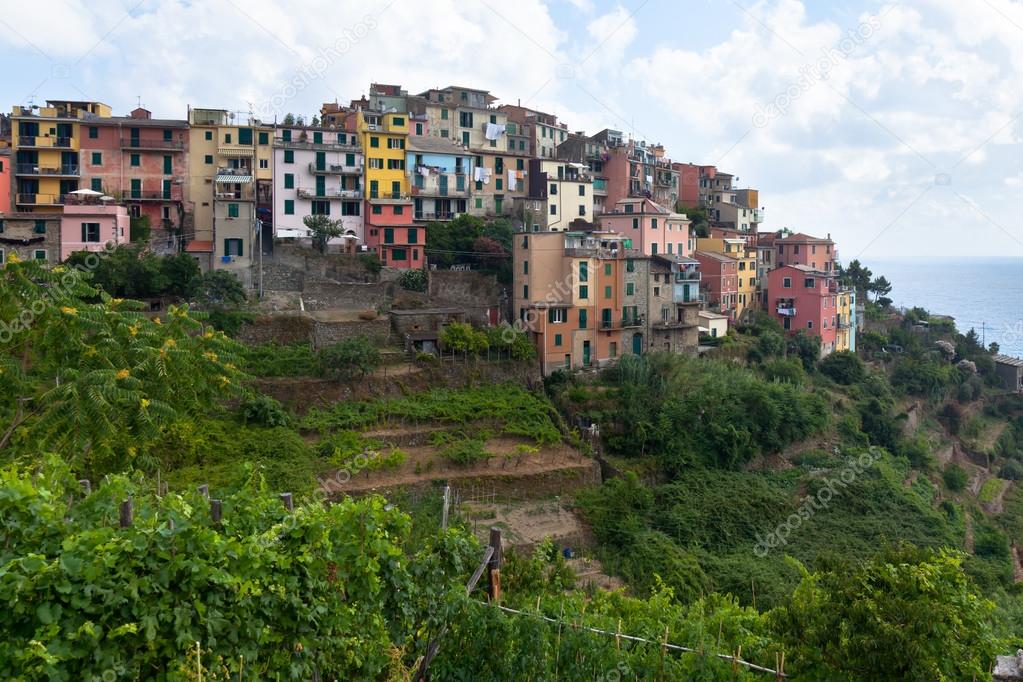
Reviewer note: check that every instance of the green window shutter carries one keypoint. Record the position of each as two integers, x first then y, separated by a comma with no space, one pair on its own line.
232,210
168,165
93,132
584,271
378,210
286,135
630,265
479,202
399,254
136,160
499,185
584,291
289,207
264,138
136,187
318,137
388,235
582,318
97,184
557,339
245,136
40,227
630,289
289,156
289,181
413,236
374,142
349,159
525,291
208,159
607,268
607,292
166,189
97,158
525,267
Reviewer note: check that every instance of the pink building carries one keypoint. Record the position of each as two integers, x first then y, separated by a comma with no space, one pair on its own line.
802,249
690,177
803,298
652,229
5,180
88,227
720,281
392,236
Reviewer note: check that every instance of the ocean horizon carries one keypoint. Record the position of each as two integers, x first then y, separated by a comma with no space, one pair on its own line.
982,293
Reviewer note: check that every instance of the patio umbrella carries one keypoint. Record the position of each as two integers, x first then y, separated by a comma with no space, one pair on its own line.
86,193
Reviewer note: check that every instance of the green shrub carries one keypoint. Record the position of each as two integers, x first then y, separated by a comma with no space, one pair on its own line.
843,367
413,280
467,452
349,358
461,337
263,410
955,477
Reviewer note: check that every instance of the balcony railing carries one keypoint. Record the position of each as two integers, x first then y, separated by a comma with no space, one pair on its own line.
157,195
394,196
439,216
241,195
240,172
334,169
40,199
44,141
758,215
329,193
630,321
32,169
316,146
163,145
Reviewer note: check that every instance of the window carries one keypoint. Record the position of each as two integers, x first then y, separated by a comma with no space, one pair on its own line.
465,139
399,254
786,283
520,164
227,138
264,138
653,223
264,163
554,209
374,142
136,160
582,190
612,349
413,236
443,114
809,324
378,210
286,135
90,232
232,210
97,184
350,208
584,291
289,207
582,318
554,189
399,210
607,269
289,156
397,164
209,135
630,265
395,143
233,247
582,210
557,315
321,208
39,254
808,282
93,132
478,202
584,271
525,291
208,159
465,119
630,289
376,164
419,129
40,227
168,164
557,339
398,120
607,292
388,235
97,158
653,249
289,181
628,208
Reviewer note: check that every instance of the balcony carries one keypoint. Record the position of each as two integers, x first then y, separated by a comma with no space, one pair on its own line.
32,169
329,193
433,187
632,321
442,216
315,146
674,324
245,194
334,169
235,175
786,311
600,187
236,150
758,215
40,199
686,293
387,196
44,142
156,195
153,145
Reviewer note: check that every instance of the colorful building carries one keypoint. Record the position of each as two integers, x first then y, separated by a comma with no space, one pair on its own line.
559,197
441,174
802,298
537,134
317,171
5,180
666,288
45,146
720,281
92,226
230,182
652,229
390,232
30,236
568,294
802,249
746,291
143,163
845,338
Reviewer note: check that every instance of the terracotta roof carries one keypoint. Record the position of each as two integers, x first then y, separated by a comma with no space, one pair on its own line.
197,246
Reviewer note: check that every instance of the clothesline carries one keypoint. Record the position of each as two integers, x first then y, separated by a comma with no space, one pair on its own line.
631,638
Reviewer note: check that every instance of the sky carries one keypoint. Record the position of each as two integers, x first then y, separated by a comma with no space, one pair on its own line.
892,126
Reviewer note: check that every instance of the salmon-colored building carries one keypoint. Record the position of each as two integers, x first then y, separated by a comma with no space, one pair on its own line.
143,163
802,249
804,298
569,296
649,227
720,281
92,227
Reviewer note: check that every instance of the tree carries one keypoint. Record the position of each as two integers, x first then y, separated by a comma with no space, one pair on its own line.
880,287
807,347
139,229
452,242
462,338
289,119
698,215
220,290
907,614
350,358
126,272
857,276
413,280
843,367
322,229
315,122
182,274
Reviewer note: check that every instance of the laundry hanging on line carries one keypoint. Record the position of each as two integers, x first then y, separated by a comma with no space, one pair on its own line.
494,131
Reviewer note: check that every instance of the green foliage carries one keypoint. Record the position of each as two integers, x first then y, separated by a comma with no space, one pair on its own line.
955,477
220,290
806,347
413,280
506,339
914,607
264,410
728,412
273,360
371,262
325,587
139,228
843,367
467,452
349,358
786,370
463,338
322,229
135,272
924,378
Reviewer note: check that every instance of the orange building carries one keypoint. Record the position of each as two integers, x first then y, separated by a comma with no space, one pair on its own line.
568,294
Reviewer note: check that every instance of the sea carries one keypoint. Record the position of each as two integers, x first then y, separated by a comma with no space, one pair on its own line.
985,294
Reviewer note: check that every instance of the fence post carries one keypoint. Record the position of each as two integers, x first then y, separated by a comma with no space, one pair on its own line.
444,512
86,485
289,504
494,568
215,511
204,490
127,513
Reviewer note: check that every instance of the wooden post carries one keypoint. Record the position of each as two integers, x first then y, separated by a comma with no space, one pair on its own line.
159,485
289,504
780,674
204,490
215,511
494,569
444,511
126,513
86,485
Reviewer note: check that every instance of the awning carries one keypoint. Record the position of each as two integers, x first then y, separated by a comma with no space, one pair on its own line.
197,246
240,179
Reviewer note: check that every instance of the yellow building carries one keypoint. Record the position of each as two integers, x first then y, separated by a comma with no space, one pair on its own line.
384,137
746,269
845,338
230,175
45,152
